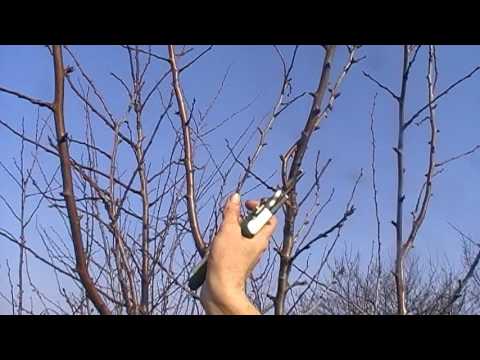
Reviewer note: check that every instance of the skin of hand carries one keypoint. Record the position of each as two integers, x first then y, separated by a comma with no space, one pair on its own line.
231,260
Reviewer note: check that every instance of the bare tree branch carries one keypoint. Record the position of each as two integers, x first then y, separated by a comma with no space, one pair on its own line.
436,98
188,160
453,158
68,193
31,100
396,97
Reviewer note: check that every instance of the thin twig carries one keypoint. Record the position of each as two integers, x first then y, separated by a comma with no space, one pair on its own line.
396,97
37,102
453,158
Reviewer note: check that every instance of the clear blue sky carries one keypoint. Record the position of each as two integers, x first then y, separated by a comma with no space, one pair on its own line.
255,74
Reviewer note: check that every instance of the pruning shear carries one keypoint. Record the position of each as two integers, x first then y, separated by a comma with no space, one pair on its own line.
250,225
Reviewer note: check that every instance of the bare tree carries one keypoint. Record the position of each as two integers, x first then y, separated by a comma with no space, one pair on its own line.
131,222
404,245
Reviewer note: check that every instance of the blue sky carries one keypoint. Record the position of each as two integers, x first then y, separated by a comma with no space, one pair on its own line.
255,75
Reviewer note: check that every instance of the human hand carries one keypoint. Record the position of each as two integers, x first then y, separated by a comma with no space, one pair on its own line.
231,260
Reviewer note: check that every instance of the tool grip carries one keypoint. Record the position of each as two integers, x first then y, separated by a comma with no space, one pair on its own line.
199,274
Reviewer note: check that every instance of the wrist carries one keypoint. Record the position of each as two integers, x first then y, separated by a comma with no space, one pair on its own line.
226,301
225,285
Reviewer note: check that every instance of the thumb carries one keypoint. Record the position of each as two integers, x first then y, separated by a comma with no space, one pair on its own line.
231,212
